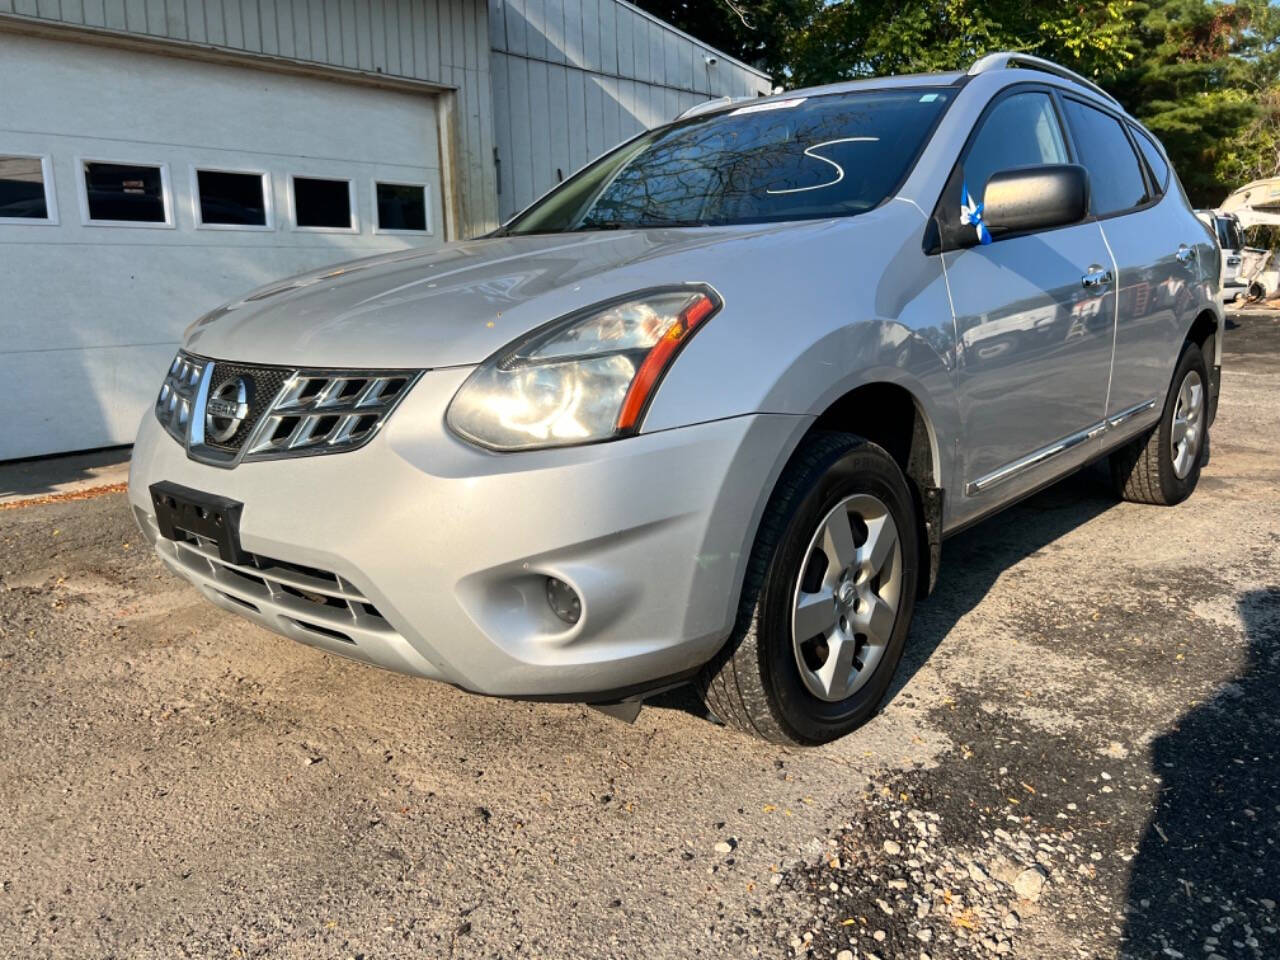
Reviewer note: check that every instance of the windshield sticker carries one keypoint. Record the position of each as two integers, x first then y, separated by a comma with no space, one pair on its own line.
771,105
971,213
809,152
928,98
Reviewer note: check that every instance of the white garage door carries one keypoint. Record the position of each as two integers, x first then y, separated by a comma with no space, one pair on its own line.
138,191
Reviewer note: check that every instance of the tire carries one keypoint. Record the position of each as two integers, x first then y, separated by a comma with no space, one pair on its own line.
757,683
1145,470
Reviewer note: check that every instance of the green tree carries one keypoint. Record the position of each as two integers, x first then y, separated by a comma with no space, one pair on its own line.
850,38
1193,80
1253,153
754,31
1204,75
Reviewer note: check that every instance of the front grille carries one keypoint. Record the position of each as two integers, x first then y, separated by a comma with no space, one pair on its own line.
264,384
226,413
177,397
319,411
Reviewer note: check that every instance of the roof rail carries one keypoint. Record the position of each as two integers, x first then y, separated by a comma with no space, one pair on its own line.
1006,60
709,106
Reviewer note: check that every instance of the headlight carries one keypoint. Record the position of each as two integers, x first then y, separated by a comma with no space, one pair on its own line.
586,377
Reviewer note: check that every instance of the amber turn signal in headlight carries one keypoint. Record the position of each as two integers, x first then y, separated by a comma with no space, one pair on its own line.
584,378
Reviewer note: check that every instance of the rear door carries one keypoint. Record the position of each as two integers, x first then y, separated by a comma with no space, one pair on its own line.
1033,326
1153,237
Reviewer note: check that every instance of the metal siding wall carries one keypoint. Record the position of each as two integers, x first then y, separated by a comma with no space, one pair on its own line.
573,78
444,42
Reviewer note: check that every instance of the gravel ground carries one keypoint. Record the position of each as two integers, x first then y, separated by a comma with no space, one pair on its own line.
1080,759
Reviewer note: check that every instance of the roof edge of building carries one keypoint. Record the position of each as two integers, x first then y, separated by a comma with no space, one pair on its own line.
692,39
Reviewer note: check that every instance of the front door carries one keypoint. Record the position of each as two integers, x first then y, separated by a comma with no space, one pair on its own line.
1035,319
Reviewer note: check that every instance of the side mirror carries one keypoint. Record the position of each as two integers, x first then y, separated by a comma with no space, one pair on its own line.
1036,198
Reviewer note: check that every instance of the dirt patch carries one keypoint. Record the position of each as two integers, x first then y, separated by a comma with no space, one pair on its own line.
1090,695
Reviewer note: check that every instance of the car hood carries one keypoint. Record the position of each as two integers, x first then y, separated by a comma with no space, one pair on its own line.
458,304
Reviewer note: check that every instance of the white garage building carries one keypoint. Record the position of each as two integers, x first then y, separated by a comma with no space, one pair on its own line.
160,156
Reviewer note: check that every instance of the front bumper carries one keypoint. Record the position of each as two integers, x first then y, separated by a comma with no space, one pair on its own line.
422,554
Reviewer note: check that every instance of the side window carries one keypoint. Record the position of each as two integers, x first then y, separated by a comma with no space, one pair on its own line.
1159,168
1115,179
1020,131
26,190
1229,235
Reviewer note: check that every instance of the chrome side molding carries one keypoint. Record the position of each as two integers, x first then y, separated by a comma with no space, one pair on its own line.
1037,457
1115,420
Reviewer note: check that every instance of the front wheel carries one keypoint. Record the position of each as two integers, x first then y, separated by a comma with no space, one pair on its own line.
828,597
1163,465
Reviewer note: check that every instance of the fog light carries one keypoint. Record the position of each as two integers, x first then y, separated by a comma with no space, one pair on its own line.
563,600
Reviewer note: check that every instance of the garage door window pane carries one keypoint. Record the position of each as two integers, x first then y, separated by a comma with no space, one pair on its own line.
22,188
322,203
127,192
234,199
402,206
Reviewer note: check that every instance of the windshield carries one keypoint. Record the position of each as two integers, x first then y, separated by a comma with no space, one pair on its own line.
804,158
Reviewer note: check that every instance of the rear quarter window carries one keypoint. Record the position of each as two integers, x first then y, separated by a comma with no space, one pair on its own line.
1155,160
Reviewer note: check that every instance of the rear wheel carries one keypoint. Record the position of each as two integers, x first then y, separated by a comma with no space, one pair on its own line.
1163,465
828,597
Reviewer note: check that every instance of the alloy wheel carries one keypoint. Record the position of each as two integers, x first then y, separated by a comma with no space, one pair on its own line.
1188,417
847,597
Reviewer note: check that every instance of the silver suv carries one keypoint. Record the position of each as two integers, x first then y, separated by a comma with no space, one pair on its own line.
705,411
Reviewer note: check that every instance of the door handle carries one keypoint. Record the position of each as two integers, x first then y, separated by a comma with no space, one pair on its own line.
1184,253
1096,278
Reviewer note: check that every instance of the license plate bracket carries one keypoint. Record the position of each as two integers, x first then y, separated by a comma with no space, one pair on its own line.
182,512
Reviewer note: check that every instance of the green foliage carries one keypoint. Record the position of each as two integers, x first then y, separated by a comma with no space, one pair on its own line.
850,38
1194,79
1204,75
754,31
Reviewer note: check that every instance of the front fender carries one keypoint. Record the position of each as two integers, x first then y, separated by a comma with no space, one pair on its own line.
849,357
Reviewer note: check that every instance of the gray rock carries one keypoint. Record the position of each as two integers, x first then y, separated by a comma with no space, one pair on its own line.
892,847
1029,883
